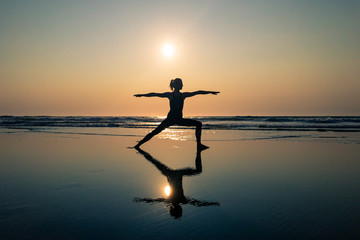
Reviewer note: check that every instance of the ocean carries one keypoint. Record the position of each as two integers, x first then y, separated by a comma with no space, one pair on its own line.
336,129
277,123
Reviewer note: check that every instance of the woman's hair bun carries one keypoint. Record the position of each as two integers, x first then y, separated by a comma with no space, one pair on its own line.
173,82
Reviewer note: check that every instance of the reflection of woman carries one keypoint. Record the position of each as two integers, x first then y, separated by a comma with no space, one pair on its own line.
175,116
175,178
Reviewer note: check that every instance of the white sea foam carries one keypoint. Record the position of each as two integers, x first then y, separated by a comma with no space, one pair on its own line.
283,123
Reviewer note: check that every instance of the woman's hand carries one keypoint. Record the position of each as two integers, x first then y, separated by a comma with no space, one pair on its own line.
138,95
214,93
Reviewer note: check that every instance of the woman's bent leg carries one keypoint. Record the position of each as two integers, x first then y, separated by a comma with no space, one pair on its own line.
198,125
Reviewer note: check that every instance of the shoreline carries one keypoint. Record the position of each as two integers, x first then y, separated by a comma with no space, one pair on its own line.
187,134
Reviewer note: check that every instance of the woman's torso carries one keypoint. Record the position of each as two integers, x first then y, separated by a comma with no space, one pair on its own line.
176,105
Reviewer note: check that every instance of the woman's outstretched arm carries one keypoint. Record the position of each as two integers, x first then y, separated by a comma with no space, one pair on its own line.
190,94
162,95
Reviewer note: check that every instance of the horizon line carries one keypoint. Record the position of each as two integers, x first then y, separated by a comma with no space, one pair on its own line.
160,116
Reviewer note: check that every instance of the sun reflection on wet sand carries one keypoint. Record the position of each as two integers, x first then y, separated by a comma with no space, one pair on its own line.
167,190
176,134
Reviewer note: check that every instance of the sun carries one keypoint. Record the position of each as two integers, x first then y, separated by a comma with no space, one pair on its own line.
168,50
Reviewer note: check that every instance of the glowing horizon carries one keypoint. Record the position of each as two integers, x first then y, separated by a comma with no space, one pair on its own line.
266,58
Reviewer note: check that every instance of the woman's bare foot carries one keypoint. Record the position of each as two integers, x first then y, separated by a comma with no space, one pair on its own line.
201,147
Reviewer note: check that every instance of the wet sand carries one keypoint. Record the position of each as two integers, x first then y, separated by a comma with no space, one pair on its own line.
76,186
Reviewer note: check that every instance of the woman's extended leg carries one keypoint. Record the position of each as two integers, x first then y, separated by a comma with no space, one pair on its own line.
164,124
198,125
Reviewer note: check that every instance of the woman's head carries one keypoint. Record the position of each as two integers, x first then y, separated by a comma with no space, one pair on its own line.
176,84
175,211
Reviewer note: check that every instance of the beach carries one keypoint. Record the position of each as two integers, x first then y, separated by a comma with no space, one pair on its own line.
102,104
86,184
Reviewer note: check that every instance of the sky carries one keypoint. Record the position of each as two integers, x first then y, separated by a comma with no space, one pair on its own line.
266,57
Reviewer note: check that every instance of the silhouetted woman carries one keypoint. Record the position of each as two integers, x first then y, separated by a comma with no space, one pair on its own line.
175,115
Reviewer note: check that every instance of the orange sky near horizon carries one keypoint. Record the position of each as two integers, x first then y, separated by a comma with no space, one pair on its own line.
265,57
